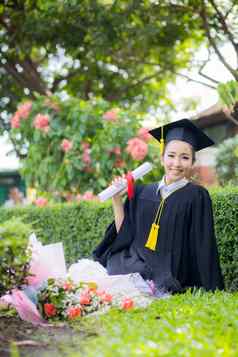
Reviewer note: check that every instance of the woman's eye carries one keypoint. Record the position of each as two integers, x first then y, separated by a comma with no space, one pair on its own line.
186,158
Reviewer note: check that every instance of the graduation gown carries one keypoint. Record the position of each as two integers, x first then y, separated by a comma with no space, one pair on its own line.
186,252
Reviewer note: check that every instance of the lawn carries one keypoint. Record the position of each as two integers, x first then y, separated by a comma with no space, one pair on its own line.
199,324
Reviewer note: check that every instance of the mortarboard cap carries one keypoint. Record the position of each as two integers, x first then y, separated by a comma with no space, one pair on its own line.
184,130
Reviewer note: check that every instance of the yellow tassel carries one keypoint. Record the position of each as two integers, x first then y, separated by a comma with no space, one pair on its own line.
161,143
152,239
161,146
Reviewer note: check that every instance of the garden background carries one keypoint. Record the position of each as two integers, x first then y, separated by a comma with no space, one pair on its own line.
81,84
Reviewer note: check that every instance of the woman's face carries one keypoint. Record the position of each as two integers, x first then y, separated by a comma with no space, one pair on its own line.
177,160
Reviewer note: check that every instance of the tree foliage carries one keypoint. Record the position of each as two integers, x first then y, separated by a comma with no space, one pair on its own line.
124,51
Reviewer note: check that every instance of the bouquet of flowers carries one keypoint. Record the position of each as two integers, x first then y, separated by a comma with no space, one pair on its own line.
60,299
51,293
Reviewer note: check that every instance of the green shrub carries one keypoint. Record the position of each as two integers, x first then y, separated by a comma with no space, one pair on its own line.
14,257
225,204
227,161
80,227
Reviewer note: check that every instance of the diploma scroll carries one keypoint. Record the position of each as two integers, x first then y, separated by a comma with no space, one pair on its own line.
113,190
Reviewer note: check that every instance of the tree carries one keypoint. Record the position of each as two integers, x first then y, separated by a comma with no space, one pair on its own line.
217,21
124,51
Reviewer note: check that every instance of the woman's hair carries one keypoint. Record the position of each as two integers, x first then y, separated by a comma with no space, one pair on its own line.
192,149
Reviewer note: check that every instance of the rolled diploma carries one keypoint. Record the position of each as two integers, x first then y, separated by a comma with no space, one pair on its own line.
113,190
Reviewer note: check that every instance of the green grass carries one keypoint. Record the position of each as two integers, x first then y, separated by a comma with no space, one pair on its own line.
200,324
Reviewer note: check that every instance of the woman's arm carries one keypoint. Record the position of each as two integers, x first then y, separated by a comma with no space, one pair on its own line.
118,210
117,202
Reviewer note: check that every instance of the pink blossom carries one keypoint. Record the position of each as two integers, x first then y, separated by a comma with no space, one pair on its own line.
144,134
85,145
41,122
86,157
88,196
24,109
66,145
100,292
111,115
106,298
15,121
41,202
85,299
137,148
116,150
22,112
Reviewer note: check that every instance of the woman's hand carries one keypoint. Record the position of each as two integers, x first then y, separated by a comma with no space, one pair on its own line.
118,181
117,202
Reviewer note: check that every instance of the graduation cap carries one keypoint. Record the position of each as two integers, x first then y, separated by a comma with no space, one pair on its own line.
184,130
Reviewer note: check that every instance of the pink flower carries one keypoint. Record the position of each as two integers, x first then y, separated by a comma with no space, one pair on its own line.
74,312
127,304
85,145
24,109
50,310
22,112
66,145
144,134
85,299
88,196
15,121
106,298
68,286
116,150
111,115
41,202
86,157
137,148
100,292
41,122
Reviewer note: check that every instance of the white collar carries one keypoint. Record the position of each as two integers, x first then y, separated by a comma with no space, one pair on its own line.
166,190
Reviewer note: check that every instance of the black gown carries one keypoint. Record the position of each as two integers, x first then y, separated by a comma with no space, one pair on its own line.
186,252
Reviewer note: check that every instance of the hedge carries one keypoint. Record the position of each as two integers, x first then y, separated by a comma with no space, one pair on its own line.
81,226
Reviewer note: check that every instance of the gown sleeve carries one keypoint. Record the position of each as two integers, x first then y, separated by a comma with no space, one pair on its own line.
113,241
206,267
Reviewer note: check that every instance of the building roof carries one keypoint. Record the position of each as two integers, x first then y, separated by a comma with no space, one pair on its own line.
214,115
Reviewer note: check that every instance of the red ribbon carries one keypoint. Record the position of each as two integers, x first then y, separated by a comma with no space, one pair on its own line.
130,185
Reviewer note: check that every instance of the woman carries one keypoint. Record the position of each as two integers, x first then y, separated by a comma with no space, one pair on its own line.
166,232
